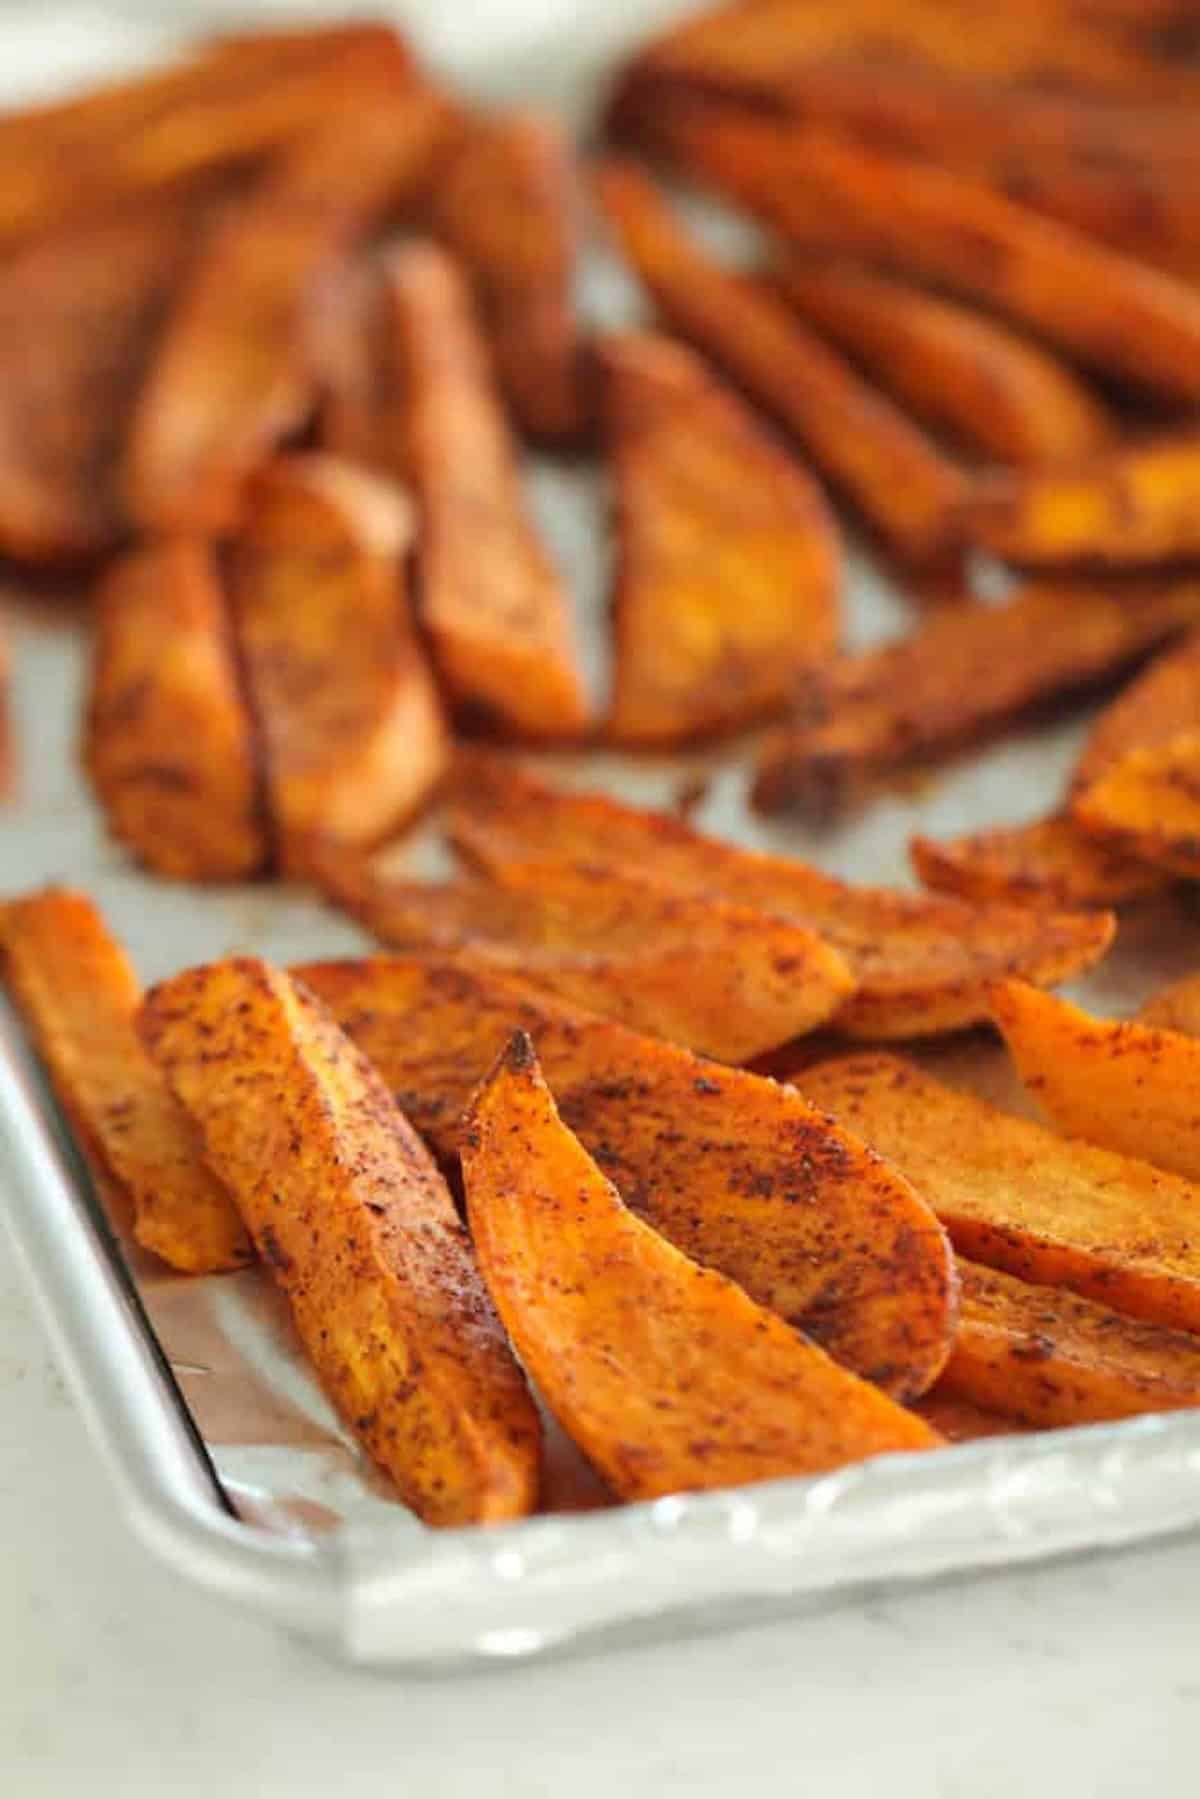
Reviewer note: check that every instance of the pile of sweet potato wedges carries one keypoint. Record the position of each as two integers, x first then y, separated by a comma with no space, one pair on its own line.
278,323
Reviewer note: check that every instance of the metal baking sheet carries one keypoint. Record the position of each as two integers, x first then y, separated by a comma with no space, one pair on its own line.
230,1462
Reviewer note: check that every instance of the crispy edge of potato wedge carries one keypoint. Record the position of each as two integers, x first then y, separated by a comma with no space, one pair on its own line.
1148,805
1050,862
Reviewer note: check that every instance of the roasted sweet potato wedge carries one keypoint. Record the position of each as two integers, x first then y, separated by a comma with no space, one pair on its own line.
358,1228
231,376
959,1421
1162,703
169,745
738,1171
346,351
1052,862
506,204
922,964
993,392
1046,1357
490,598
727,588
1148,805
352,726
667,1375
78,997
896,477
1175,1007
1019,1198
720,979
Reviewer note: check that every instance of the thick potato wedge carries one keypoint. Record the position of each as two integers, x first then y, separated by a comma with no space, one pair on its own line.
719,979
1148,805
1019,1198
1051,862
738,1171
727,589
965,672
667,1375
922,965
490,598
1046,1358
1128,1087
896,477
169,744
231,376
506,204
359,1230
1175,1007
78,996
992,391
352,727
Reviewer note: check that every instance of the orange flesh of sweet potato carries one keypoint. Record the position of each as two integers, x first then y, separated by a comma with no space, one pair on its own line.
506,205
922,965
1051,862
1127,1087
490,598
719,979
896,477
994,392
358,1228
736,1170
1019,1198
965,672
1175,1007
78,997
1148,805
169,745
1046,1357
352,726
727,589
667,1375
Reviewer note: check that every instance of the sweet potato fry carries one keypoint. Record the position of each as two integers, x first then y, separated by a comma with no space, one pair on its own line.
1047,1358
169,745
737,1171
922,964
1019,1198
231,376
78,997
1148,805
352,726
667,1375
506,204
358,1228
896,477
994,392
966,671
729,561
1052,861
490,598
720,979
1175,1007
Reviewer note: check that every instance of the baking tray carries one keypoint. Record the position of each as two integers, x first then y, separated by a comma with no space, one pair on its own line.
226,1458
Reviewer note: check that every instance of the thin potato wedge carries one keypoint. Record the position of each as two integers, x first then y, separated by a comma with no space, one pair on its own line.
922,965
1148,805
1015,1196
896,477
737,1171
1175,1007
490,598
667,1375
352,727
1051,862
359,1230
968,670
727,590
78,997
169,745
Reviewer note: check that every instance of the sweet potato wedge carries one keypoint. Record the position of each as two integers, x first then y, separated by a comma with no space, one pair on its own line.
1148,805
959,1421
727,589
1051,862
231,376
896,477
739,1172
506,204
490,599
719,979
78,997
345,348
1175,1007
352,727
965,672
1046,1357
922,965
359,1230
169,745
667,1375
1161,703
1019,1198
995,393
